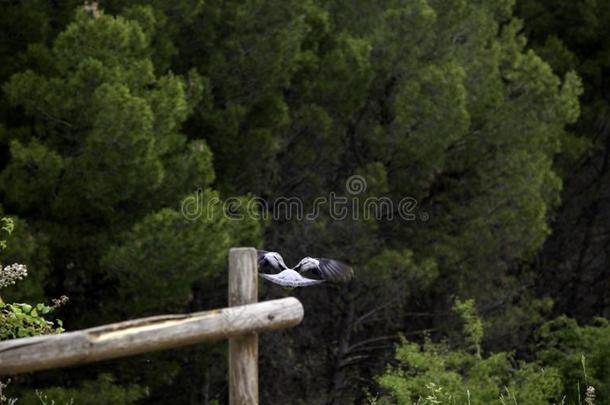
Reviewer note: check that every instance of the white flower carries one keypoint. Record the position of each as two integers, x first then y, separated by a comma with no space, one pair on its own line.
10,274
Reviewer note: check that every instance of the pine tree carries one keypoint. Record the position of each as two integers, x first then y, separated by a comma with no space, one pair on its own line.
434,101
572,35
101,171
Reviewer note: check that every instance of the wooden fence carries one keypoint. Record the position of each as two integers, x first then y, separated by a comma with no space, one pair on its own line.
240,323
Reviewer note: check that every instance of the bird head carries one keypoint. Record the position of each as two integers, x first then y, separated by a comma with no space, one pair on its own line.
307,263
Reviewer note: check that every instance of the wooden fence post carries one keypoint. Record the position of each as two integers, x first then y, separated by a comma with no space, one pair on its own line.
243,350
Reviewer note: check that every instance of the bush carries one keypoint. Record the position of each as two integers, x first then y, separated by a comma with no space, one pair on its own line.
437,373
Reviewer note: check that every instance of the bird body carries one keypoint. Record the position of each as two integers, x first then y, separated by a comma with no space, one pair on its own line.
327,269
290,278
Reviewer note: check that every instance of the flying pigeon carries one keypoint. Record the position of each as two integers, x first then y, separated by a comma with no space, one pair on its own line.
327,269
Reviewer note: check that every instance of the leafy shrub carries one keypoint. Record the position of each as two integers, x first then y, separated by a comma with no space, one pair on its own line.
19,320
436,373
580,353
103,390
22,320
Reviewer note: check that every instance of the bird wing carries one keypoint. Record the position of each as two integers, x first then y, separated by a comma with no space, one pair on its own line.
266,262
290,282
334,270
306,282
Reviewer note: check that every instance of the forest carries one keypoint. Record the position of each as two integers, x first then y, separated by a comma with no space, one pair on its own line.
456,153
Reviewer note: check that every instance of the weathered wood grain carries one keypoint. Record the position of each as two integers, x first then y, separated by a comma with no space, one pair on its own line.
146,335
243,350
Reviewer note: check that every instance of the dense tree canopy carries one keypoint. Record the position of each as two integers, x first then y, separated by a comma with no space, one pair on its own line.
573,36
115,114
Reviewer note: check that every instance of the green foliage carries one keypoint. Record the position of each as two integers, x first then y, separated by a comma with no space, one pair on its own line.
580,353
19,320
438,101
435,373
572,35
96,174
29,247
473,324
165,249
22,320
102,390
443,103
7,228
571,367
103,84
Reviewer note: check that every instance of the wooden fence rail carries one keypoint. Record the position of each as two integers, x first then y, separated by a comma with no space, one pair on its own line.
240,323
